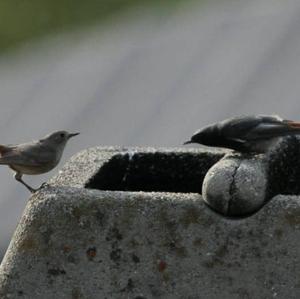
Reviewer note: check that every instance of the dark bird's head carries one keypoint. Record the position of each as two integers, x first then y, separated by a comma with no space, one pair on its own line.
207,136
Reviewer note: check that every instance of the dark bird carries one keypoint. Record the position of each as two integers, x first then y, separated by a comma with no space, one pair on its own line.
246,133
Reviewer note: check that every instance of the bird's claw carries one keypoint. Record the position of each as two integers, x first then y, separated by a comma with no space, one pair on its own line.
32,190
42,186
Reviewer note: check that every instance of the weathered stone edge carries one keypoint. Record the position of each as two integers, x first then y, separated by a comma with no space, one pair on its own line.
85,164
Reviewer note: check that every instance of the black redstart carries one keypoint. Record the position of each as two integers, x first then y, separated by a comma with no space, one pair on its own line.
35,157
246,133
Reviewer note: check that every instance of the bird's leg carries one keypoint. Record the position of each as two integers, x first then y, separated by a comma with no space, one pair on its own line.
18,177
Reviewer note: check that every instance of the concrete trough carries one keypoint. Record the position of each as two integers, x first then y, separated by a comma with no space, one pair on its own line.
131,223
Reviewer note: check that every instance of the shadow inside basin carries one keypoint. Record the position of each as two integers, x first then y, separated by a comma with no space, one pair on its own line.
154,172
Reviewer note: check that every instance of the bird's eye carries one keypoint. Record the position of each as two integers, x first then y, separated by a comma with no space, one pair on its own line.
62,135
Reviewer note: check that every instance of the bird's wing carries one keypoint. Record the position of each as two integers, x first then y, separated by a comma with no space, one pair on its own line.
250,128
28,154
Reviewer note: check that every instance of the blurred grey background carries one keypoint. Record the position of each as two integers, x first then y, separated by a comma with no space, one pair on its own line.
138,73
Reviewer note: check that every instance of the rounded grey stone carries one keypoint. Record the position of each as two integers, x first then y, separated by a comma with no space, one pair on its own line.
236,186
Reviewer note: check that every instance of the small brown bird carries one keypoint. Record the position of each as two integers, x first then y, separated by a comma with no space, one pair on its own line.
257,133
35,157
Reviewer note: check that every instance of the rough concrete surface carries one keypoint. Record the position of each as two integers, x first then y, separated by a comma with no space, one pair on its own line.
76,242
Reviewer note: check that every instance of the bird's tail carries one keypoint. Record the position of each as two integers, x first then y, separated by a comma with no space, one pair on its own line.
3,150
293,124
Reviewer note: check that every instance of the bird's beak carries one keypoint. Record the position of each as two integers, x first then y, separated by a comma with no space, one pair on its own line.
188,142
73,134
